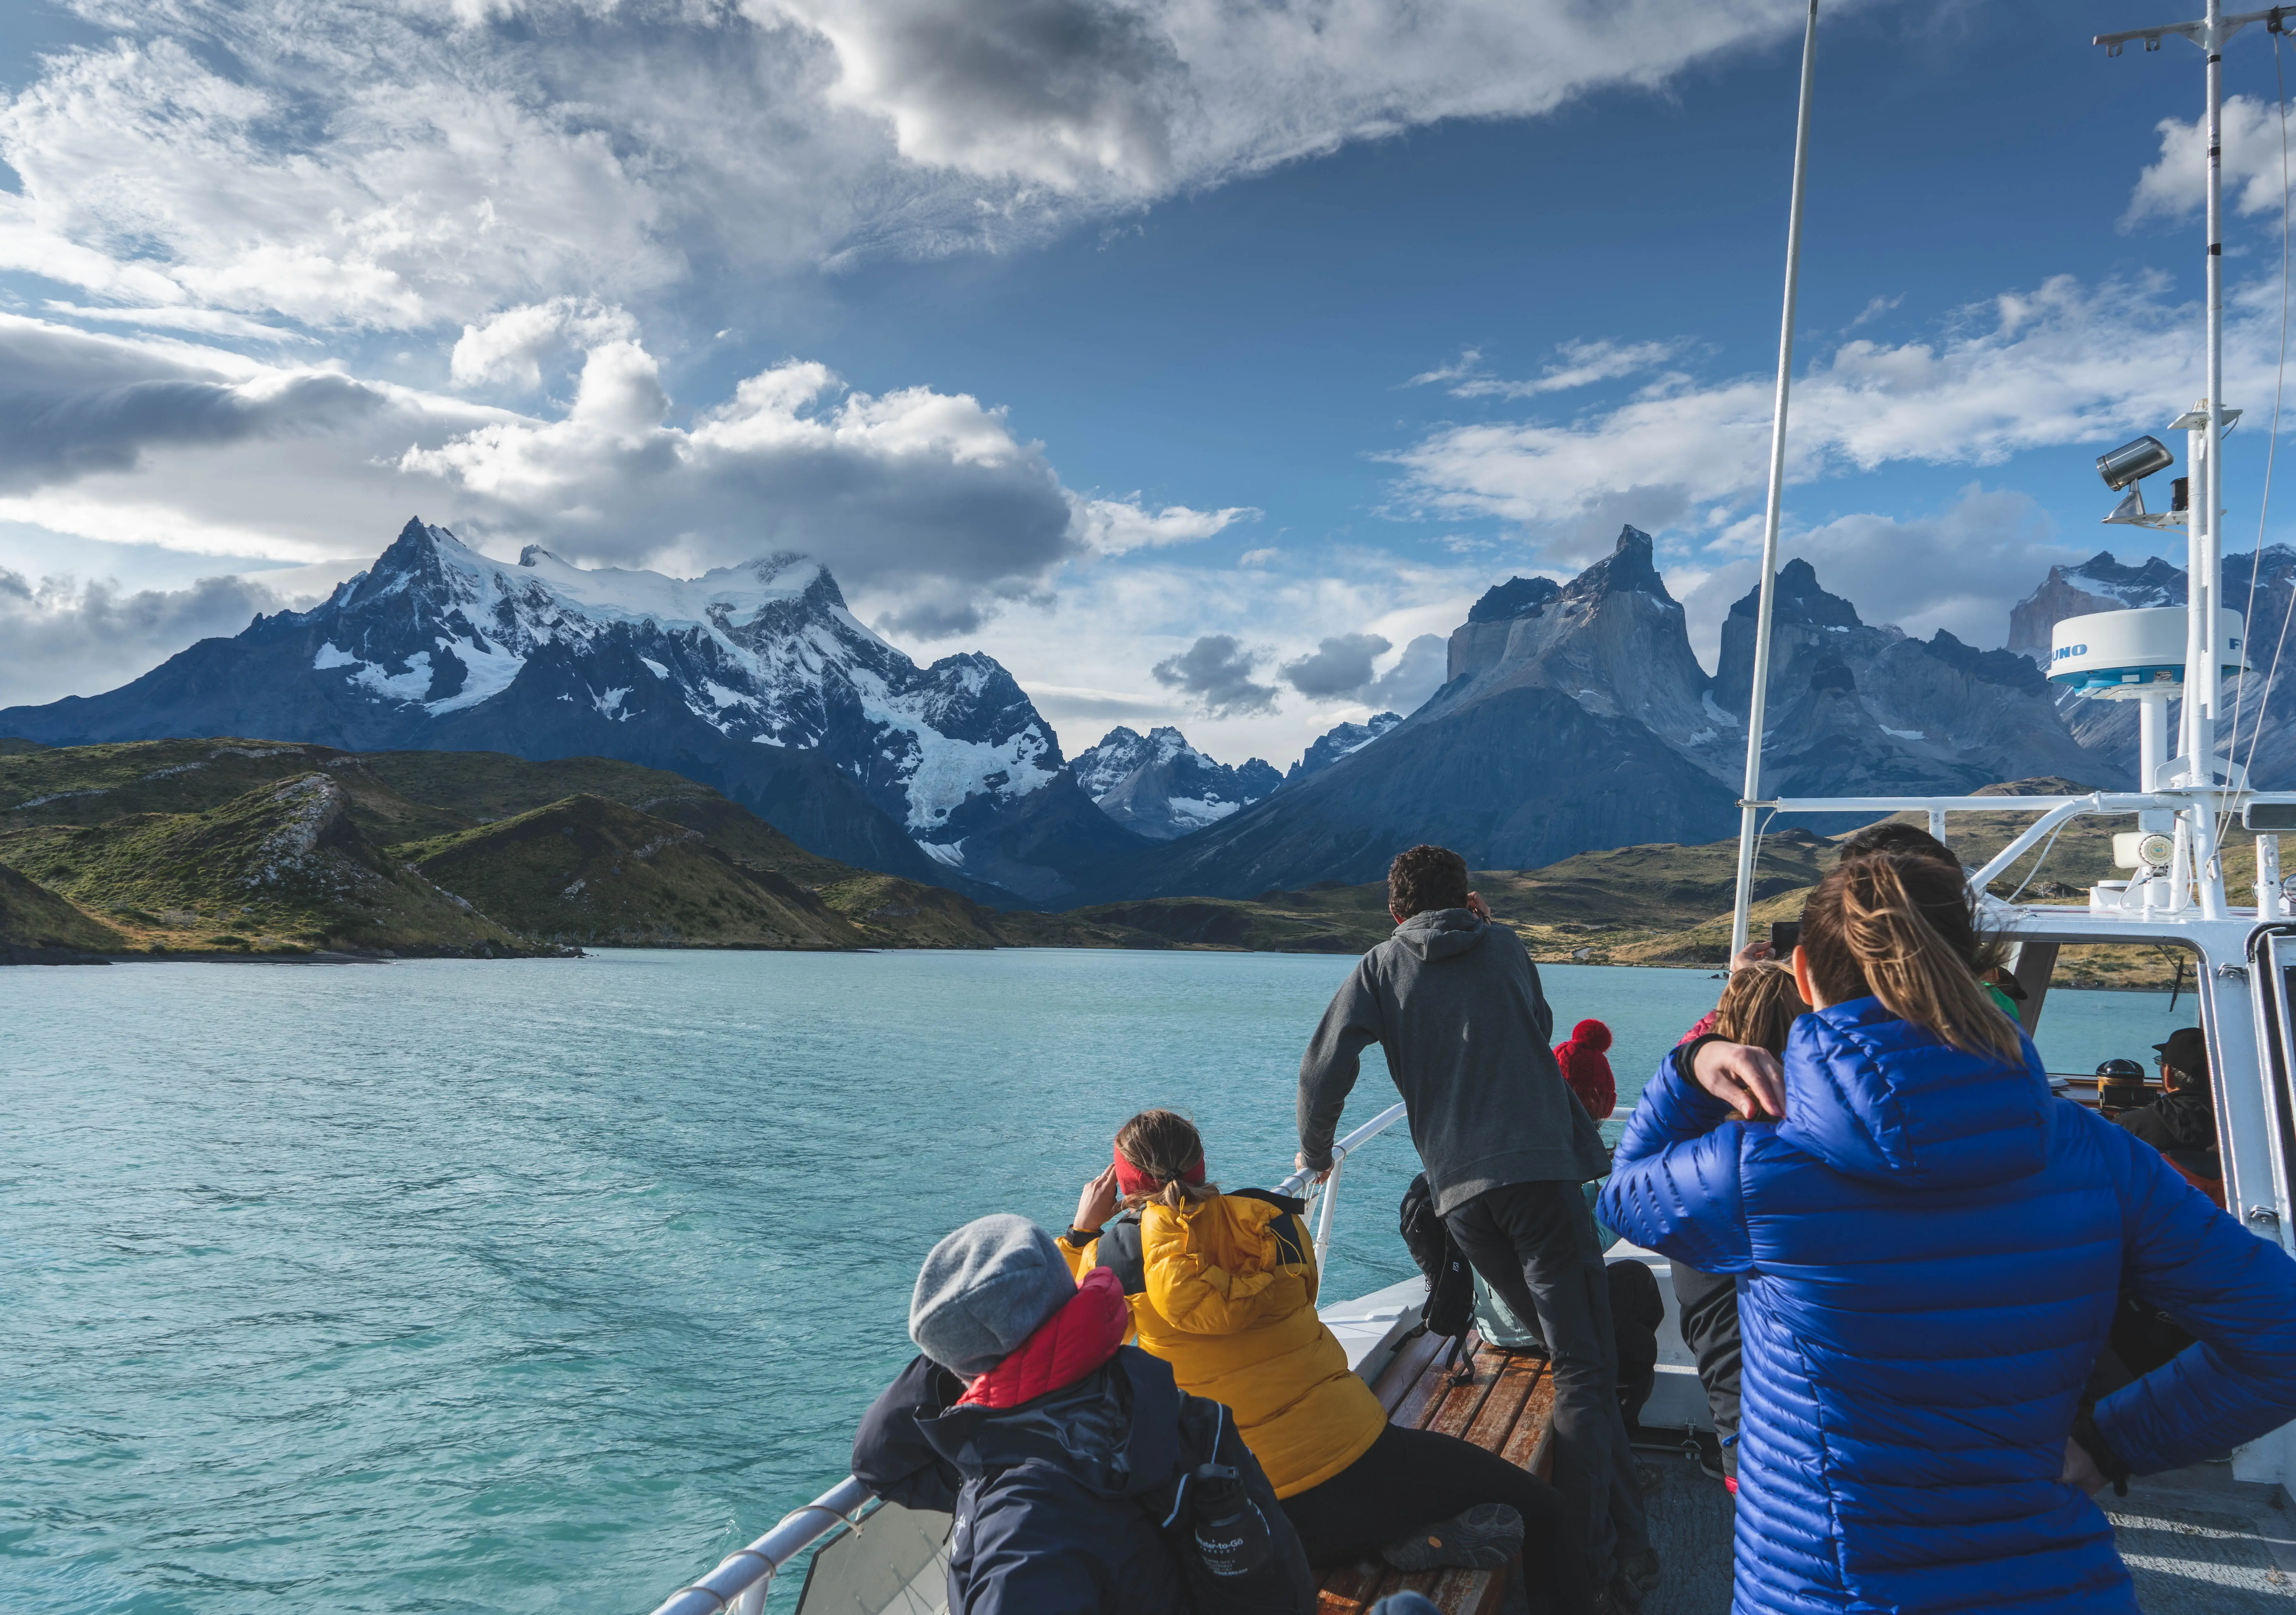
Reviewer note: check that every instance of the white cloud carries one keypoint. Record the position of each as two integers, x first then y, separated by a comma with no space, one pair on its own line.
2178,185
1581,364
511,346
1114,527
2060,364
410,164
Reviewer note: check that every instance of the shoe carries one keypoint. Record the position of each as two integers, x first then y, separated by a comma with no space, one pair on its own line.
1483,1538
1640,1568
1712,1468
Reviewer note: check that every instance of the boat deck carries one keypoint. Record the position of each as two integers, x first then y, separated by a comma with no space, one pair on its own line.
2196,1539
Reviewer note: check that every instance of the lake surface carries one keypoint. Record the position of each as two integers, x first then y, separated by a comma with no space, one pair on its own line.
445,1286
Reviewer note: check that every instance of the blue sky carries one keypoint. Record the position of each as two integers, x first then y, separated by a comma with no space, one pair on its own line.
1081,330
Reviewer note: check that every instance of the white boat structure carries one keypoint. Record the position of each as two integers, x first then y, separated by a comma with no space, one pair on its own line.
872,1558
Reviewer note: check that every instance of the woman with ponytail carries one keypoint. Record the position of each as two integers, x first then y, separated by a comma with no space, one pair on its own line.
1929,1249
1223,1287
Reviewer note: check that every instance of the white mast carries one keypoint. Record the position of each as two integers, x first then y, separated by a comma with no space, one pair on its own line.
1749,814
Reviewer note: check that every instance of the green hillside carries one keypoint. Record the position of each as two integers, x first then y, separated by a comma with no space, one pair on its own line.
592,872
283,869
34,921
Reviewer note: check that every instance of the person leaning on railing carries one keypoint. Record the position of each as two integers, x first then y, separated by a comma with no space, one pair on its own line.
1223,1287
1930,1246
1453,1001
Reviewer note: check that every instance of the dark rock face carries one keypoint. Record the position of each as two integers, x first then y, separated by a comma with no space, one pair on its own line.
1158,786
755,680
1515,598
1857,709
1340,741
2100,583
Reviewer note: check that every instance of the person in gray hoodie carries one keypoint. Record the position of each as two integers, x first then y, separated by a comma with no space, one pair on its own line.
1453,1001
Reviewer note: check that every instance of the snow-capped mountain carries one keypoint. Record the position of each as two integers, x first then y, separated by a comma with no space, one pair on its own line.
1341,741
754,679
1158,786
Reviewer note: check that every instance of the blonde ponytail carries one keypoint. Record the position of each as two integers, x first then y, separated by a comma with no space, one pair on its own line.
1903,930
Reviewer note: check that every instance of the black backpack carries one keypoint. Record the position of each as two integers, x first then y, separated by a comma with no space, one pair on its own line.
1235,1546
1449,1309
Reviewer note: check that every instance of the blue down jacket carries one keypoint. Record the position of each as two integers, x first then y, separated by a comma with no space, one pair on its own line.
1929,1249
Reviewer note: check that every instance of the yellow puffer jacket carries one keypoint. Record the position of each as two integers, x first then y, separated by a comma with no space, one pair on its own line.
1230,1302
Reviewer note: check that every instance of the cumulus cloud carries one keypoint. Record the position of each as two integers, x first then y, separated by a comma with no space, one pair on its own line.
68,638
2176,186
1339,666
2059,365
408,164
1217,671
511,346
925,503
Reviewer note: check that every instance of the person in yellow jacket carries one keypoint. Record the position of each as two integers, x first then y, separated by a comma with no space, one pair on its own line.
1223,1287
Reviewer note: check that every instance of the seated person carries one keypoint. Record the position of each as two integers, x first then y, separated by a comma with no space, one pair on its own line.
1060,1450
1223,1287
1757,1009
2182,1123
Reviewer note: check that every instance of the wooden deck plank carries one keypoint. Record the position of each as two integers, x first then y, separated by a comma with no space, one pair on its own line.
1403,1371
1417,1404
1504,1409
1526,1444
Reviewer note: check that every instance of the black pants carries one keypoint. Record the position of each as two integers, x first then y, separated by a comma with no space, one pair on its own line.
1413,1477
1534,1243
1709,1302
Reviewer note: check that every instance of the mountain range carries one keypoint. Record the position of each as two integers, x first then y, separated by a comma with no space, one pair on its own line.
1573,717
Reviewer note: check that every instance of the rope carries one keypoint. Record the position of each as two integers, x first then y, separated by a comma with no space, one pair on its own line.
2047,847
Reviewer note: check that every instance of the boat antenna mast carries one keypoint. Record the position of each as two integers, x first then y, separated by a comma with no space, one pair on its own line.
2197,767
1750,802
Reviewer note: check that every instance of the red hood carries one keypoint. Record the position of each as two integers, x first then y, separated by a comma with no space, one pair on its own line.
1081,1336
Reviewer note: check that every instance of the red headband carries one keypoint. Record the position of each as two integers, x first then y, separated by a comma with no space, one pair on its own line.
1131,1179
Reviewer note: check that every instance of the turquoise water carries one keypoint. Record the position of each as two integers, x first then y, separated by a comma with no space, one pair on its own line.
538,1285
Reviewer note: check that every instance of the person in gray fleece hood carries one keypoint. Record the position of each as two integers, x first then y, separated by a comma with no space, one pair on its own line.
1453,1001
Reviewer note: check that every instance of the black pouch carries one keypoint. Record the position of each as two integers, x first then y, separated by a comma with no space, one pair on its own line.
1449,1309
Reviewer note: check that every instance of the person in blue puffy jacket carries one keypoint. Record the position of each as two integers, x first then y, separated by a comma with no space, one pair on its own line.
1929,1248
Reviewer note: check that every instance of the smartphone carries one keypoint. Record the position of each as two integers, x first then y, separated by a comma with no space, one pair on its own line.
1785,936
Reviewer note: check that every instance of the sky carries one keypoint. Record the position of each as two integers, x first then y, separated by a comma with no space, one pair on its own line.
1203,360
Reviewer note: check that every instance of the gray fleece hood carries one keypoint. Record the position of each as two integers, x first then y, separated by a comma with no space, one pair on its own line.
1436,934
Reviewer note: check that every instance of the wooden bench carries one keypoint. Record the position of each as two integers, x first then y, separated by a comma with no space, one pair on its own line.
1505,1407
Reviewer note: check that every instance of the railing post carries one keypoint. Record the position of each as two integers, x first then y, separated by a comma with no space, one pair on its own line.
1324,1212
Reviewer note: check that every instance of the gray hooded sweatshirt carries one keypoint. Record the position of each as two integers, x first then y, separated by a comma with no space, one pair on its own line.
1455,1004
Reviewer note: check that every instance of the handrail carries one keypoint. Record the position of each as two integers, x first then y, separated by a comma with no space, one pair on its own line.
750,1571
740,1583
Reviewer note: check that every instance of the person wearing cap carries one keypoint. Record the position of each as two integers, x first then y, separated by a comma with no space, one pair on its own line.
1223,1287
1055,1446
2184,1117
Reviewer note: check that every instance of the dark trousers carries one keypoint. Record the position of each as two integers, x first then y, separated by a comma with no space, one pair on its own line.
1414,1478
1709,1304
1534,1243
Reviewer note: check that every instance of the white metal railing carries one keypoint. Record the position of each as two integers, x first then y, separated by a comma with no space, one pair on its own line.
740,1583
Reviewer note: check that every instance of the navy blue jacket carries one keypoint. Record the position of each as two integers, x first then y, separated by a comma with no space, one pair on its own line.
1929,1249
1047,1497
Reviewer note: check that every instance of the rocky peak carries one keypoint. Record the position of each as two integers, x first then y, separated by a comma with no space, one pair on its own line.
1799,598
1345,739
1515,598
1630,568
